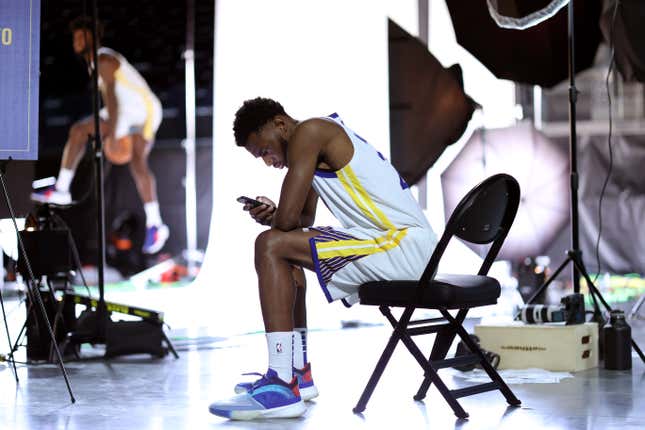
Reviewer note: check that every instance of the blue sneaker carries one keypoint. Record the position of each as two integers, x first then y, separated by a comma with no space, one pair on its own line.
268,397
306,385
156,237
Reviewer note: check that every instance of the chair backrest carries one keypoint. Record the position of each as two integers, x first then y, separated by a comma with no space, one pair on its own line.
483,216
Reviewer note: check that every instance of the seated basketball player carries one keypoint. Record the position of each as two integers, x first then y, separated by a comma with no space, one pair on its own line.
129,121
384,235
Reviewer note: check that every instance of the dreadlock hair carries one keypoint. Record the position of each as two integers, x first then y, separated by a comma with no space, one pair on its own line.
84,22
252,116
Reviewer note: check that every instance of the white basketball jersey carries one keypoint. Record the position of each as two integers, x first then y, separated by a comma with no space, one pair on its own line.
368,192
139,108
384,233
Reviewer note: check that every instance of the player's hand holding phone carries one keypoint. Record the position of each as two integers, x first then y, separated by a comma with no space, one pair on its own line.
260,209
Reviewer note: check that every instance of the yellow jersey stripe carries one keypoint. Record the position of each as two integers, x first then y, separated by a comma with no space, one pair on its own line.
346,182
383,221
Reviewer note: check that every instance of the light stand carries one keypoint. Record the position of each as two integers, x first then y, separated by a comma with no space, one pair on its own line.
574,255
122,336
193,256
101,309
32,286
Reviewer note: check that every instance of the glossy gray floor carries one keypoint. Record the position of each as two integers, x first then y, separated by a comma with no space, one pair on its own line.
140,393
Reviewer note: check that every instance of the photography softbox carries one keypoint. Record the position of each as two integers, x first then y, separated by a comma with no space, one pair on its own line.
534,56
538,164
428,107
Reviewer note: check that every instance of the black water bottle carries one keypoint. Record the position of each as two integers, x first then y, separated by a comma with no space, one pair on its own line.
617,342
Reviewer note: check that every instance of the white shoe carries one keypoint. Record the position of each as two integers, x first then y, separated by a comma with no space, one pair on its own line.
52,196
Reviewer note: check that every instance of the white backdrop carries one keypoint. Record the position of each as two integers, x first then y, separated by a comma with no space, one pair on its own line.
315,57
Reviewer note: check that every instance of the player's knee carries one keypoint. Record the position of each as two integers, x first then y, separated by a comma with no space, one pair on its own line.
267,244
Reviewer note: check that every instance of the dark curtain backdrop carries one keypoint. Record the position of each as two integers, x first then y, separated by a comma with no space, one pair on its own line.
152,38
622,245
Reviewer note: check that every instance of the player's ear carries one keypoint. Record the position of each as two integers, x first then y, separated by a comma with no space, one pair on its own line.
280,123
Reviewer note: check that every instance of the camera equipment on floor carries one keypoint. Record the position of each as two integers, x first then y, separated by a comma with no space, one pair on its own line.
463,350
53,254
571,311
121,337
62,317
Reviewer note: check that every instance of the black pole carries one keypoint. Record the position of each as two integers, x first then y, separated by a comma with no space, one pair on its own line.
573,148
574,255
101,309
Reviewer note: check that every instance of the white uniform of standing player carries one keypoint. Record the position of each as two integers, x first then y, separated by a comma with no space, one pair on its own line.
139,109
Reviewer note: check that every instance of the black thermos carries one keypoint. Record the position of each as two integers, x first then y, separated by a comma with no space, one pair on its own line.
617,342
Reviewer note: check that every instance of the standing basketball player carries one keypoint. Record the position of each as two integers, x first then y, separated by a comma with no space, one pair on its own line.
129,120
384,236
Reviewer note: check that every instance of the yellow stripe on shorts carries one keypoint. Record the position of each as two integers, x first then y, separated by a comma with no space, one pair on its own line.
147,132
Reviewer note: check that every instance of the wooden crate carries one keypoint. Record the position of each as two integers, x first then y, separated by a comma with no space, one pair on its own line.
554,347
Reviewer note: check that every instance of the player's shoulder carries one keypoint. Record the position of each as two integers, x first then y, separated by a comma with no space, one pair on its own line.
308,137
315,127
109,56
108,66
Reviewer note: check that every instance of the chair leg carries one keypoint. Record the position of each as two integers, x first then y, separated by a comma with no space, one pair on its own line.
399,330
378,371
432,376
439,351
492,373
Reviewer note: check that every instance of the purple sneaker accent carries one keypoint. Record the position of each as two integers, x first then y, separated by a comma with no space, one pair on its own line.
268,397
156,237
306,385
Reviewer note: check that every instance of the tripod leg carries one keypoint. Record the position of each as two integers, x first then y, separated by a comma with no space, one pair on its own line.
594,291
6,327
634,312
58,317
546,283
36,291
22,330
43,312
170,346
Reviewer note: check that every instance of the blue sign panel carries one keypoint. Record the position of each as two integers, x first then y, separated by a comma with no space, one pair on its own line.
19,67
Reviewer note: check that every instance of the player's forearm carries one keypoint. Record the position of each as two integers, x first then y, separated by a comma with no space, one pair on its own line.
285,222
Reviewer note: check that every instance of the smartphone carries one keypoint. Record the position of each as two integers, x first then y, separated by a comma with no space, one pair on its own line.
249,201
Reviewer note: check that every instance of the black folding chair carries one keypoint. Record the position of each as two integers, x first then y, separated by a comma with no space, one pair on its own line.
484,216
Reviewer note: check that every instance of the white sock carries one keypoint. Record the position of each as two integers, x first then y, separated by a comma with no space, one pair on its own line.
153,216
280,345
299,347
64,180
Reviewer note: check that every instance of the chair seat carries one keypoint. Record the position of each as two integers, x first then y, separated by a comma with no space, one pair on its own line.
445,291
